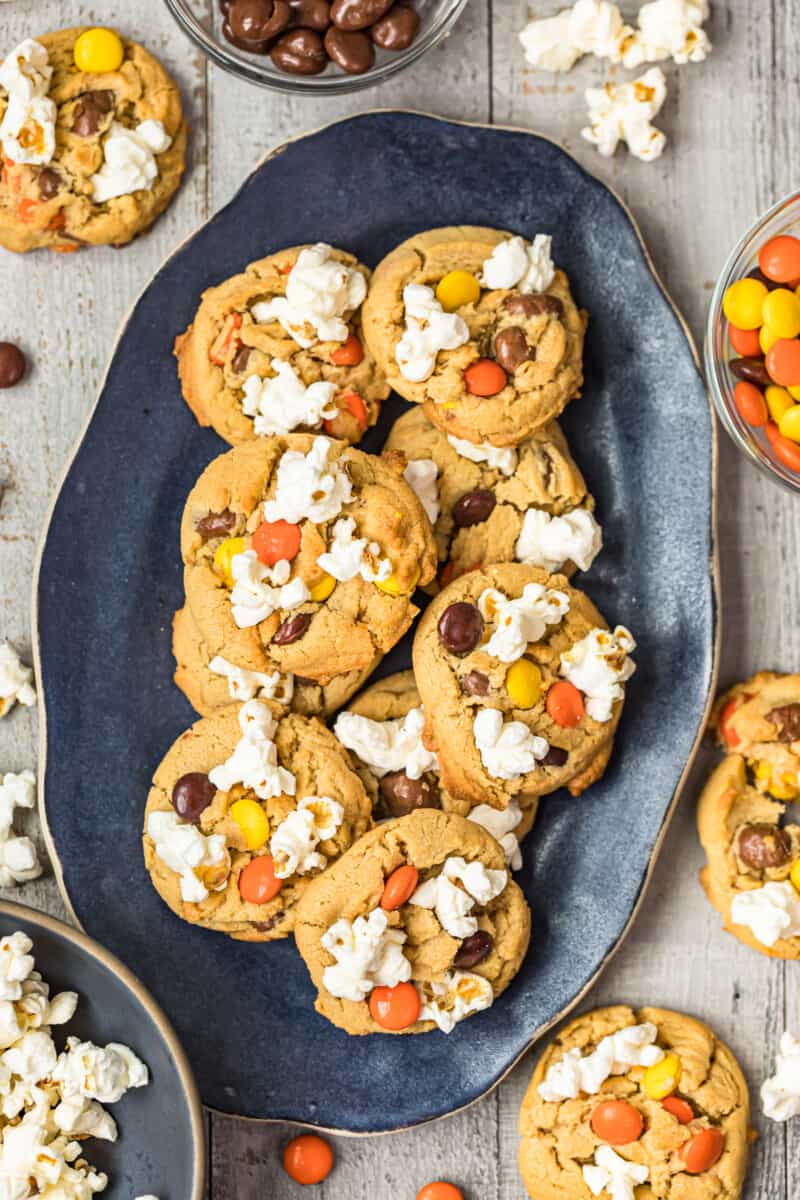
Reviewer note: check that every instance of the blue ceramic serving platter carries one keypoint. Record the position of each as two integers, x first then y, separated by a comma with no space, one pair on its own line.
110,579
161,1146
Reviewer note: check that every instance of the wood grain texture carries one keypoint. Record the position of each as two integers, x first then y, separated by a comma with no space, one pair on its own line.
732,151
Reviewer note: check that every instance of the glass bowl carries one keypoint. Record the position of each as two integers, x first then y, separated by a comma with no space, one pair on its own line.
783,217
438,18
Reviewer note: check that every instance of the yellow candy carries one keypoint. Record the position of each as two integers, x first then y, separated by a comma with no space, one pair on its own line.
742,303
789,423
223,556
794,391
320,591
781,311
778,401
457,288
663,1077
766,338
99,51
524,683
252,820
781,787
392,587
794,876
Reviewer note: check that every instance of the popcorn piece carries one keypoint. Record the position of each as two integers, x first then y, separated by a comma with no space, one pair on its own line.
320,293
613,1174
771,912
547,43
522,621
294,843
258,590
252,685
670,29
420,475
508,749
348,556
283,403
458,996
598,665
19,862
254,762
308,487
453,904
102,1073
388,745
780,1094
368,954
188,852
515,263
501,823
16,685
429,329
550,542
501,458
129,163
623,112
615,1054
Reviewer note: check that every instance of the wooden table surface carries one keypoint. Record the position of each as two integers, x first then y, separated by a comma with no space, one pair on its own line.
730,154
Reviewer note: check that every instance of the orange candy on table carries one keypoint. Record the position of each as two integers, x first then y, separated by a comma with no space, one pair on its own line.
258,883
399,887
274,540
779,258
395,1008
750,403
786,451
308,1159
681,1110
485,378
564,704
349,354
744,341
617,1122
783,362
440,1191
702,1151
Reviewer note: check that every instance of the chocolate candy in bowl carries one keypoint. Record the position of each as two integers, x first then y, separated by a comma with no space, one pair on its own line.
317,46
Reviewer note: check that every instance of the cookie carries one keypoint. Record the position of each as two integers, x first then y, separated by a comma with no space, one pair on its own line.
489,505
246,808
522,684
210,683
479,327
382,729
279,348
635,1100
752,872
417,927
301,555
90,156
760,719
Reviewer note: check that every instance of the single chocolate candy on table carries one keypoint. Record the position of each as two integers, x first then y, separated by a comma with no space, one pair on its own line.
299,52
258,20
12,364
474,507
534,304
292,629
313,14
475,683
402,795
353,52
352,15
460,627
49,183
192,795
216,524
752,370
511,348
474,949
762,845
397,30
90,110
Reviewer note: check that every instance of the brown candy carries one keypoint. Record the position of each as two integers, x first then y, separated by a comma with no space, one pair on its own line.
240,43
353,52
474,949
474,507
534,304
787,721
752,370
475,683
460,627
257,20
299,52
397,30
192,795
555,757
351,15
292,629
762,845
12,364
758,274
215,525
89,112
313,14
402,795
240,359
511,348
49,183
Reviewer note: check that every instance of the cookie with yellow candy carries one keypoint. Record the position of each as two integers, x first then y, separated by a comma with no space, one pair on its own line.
246,808
479,327
302,555
760,719
752,872
670,1119
93,140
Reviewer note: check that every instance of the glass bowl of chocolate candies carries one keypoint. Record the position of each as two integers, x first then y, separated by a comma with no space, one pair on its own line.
320,47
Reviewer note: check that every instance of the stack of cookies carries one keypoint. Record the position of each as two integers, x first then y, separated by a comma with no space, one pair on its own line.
381,828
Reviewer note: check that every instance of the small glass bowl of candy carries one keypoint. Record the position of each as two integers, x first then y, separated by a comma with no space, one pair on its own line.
752,344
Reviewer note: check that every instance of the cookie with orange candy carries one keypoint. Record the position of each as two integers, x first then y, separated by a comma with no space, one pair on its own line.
246,809
279,348
628,1101
418,926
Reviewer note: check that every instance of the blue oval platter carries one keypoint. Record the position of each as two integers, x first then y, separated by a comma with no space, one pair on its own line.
110,579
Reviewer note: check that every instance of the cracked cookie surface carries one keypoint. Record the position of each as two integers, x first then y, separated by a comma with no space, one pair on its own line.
51,205
534,393
558,1139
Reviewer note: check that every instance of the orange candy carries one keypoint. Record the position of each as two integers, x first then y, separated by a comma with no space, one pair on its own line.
399,887
750,403
440,1191
308,1159
395,1008
26,208
617,1122
564,704
258,883
744,341
783,362
779,258
702,1150
226,338
730,735
349,354
356,407
786,451
485,378
274,540
681,1110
